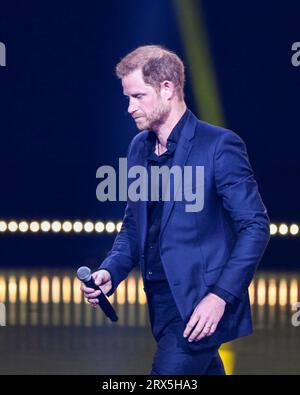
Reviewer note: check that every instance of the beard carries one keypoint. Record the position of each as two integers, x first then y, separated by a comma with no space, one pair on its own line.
155,119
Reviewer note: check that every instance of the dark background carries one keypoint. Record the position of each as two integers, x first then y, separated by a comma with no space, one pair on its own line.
62,113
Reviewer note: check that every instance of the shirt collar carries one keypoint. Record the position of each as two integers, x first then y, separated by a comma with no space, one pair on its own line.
173,136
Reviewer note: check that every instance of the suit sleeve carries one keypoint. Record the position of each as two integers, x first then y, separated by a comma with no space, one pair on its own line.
238,190
124,254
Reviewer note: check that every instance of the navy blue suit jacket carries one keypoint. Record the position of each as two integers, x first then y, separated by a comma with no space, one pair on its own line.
220,245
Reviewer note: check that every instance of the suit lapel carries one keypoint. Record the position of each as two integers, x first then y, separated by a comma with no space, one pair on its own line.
183,149
143,204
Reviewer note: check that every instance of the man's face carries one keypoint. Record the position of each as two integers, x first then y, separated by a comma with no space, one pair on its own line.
148,107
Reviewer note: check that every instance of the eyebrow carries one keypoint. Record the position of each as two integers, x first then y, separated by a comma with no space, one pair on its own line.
134,94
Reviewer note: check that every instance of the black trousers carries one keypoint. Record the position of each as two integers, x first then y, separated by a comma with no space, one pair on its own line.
174,354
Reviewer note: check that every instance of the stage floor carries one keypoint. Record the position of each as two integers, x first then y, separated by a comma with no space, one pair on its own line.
51,330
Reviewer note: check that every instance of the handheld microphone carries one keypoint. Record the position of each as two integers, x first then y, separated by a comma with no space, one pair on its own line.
84,275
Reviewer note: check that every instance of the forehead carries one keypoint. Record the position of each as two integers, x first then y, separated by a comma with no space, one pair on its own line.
134,83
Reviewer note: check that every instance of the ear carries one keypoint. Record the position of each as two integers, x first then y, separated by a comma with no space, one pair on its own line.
167,89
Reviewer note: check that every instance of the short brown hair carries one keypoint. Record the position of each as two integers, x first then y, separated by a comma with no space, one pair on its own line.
157,64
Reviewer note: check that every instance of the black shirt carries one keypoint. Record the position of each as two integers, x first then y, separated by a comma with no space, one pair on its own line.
154,267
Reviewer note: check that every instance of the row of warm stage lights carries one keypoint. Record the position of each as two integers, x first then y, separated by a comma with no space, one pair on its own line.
99,227
64,290
58,226
284,229
48,289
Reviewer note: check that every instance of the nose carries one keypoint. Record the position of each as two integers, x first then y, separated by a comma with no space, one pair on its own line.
131,107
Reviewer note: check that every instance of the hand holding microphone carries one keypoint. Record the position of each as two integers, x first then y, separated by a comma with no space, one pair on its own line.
91,287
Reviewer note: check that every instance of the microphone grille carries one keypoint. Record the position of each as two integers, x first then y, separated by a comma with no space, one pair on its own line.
84,273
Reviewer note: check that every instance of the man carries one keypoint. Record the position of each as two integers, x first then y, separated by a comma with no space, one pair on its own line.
196,265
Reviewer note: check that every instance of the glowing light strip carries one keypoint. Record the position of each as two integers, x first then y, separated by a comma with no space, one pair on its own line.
263,291
45,226
12,226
